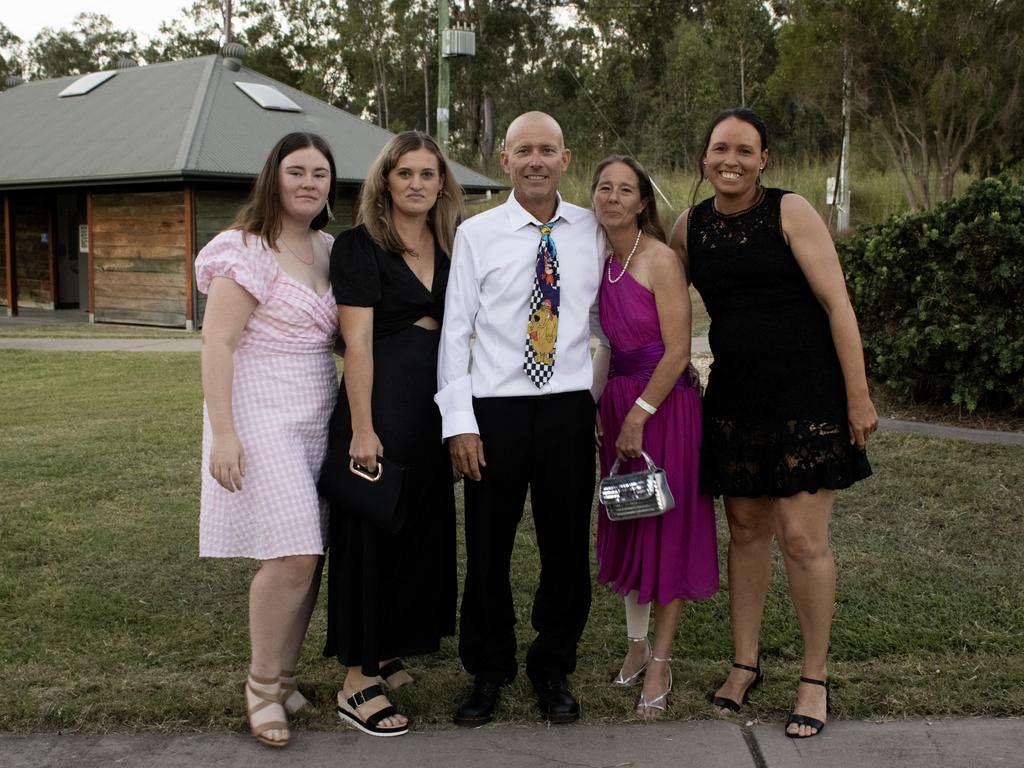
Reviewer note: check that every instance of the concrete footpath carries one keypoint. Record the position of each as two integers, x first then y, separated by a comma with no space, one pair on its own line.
960,743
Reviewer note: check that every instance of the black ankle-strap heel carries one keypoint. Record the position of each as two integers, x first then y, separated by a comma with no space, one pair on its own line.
812,722
723,703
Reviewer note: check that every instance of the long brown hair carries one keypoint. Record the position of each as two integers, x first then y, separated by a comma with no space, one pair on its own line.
375,202
648,218
261,214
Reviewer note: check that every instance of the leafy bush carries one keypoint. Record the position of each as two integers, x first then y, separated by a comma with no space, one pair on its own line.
940,298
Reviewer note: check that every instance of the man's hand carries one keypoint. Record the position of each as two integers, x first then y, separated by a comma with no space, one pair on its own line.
467,451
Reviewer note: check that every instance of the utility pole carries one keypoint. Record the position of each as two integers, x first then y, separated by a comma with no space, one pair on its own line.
442,77
451,43
843,191
226,9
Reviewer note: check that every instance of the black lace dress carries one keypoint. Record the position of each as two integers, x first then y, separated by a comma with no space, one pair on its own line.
775,406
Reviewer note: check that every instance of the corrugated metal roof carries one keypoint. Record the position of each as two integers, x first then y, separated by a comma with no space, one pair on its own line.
172,120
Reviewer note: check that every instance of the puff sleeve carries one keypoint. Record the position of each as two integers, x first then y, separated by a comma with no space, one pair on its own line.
246,262
355,271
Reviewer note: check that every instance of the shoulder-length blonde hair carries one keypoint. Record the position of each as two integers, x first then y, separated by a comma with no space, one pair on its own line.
261,214
375,202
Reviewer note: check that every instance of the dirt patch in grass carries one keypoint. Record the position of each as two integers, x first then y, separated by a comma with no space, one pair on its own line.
894,406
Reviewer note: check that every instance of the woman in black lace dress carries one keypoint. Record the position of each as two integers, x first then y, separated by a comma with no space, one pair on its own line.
787,411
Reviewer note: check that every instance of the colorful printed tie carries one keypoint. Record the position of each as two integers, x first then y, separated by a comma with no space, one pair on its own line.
542,329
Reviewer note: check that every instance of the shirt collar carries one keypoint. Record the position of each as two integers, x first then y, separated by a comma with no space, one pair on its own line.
519,217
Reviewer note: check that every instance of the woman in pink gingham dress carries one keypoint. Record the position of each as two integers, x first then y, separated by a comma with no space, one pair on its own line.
269,383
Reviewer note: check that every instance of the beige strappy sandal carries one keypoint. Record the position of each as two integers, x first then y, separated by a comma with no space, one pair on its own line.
292,699
273,717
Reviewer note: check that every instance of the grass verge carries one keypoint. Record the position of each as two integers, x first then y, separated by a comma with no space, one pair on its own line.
112,623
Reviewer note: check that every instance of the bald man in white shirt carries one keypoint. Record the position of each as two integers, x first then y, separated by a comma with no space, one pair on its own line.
510,429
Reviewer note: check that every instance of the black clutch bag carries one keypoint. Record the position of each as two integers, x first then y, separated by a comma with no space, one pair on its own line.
373,497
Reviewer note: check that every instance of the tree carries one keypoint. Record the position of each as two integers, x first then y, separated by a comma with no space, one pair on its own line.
90,45
933,81
11,47
743,39
197,32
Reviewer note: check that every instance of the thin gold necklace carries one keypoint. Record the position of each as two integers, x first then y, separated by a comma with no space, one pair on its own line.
312,254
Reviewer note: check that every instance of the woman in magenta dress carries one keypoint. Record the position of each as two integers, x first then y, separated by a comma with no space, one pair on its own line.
651,403
268,382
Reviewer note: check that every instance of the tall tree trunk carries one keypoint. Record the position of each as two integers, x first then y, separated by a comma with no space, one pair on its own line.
487,142
743,80
426,94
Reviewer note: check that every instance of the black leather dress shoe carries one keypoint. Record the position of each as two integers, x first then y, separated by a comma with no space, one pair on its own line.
479,707
557,704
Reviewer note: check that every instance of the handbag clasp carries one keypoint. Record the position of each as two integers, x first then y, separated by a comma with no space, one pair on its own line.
363,472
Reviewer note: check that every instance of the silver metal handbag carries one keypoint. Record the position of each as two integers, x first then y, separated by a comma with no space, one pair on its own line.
638,494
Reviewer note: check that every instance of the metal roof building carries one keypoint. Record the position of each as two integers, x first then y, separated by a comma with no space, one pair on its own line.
110,189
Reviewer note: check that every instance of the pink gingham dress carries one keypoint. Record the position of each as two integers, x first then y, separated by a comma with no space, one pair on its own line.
283,391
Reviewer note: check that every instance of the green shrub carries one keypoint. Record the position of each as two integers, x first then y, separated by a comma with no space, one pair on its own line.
940,298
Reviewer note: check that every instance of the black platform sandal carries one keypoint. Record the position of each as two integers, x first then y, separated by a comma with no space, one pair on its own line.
388,671
812,722
723,703
371,725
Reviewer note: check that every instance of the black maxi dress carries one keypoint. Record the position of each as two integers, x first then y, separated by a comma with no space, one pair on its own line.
775,421
393,594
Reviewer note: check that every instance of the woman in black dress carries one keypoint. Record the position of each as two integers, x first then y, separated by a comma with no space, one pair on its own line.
787,411
393,595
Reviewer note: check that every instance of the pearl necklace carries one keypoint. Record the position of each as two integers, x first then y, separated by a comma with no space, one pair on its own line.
625,266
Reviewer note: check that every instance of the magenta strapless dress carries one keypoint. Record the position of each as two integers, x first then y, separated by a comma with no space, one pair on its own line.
673,555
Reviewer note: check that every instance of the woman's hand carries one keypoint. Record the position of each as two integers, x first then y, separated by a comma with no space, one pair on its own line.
862,418
227,462
365,448
631,437
598,429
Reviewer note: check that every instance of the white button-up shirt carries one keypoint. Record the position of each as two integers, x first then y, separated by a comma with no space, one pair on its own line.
494,262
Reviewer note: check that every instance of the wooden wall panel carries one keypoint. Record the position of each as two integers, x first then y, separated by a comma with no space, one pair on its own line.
32,264
215,209
4,237
137,241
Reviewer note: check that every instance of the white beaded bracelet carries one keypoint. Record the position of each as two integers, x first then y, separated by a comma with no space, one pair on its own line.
646,406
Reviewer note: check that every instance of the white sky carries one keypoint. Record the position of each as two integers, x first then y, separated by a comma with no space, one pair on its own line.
25,18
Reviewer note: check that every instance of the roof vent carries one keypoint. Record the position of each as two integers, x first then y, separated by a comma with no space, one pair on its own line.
13,81
233,54
86,83
126,63
268,97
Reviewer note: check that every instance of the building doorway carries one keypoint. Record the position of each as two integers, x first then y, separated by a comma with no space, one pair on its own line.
71,248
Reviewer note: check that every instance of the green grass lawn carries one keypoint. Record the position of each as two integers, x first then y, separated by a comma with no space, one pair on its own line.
112,623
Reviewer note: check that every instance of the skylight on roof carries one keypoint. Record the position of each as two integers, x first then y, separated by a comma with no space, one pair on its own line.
86,83
268,97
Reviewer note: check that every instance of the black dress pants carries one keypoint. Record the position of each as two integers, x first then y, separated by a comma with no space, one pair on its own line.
544,443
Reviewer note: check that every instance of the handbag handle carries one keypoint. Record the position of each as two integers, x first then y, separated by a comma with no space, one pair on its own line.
650,464
360,471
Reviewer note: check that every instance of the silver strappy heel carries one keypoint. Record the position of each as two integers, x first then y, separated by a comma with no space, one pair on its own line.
634,679
659,702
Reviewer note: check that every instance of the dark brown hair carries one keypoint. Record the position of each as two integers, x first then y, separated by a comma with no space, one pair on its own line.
261,214
648,218
740,113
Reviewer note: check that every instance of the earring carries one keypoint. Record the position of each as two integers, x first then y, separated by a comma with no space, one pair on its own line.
330,213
